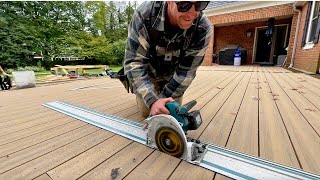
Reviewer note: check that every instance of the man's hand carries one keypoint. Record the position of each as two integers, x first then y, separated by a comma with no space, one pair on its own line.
4,74
158,107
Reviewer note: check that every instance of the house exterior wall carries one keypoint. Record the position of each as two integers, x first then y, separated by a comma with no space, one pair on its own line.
236,34
244,18
305,59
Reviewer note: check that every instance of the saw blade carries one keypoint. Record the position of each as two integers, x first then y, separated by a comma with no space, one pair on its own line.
169,141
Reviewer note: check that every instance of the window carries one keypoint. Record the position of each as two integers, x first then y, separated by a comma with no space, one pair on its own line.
311,33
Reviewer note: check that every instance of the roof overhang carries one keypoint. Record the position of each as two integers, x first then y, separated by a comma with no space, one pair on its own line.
299,3
245,6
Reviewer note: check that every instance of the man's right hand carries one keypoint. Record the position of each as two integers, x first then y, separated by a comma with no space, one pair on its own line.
159,107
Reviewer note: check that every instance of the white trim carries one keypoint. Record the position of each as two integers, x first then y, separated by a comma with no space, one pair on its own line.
243,7
255,42
310,23
308,45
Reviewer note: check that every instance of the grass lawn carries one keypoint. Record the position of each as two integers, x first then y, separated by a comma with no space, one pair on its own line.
41,74
115,68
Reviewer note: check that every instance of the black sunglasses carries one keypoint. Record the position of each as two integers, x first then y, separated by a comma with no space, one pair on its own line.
184,6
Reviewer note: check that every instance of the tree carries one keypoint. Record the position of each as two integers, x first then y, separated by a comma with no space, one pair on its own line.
93,30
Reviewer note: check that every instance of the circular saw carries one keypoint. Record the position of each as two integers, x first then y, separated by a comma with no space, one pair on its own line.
168,132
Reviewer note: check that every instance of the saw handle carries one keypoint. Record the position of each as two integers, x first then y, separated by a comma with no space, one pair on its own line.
185,108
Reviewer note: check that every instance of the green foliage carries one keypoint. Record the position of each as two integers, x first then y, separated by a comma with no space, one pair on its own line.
118,50
31,68
26,68
95,31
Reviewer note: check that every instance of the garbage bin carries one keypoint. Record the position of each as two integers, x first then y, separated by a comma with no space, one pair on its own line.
237,58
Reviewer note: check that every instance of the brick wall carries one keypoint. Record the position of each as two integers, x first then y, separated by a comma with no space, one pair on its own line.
244,20
236,34
306,60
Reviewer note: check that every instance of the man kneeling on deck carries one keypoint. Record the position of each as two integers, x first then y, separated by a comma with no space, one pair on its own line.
166,44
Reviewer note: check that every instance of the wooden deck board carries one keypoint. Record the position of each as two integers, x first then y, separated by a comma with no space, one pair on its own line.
126,160
79,165
306,108
274,140
251,109
305,140
188,171
221,123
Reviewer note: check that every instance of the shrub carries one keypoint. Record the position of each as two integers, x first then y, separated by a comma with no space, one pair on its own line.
31,68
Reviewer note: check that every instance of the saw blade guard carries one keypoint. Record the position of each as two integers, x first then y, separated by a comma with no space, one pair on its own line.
162,126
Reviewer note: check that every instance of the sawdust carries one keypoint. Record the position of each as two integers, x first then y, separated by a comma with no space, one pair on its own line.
114,173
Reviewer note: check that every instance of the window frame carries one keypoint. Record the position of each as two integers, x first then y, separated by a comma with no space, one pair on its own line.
308,41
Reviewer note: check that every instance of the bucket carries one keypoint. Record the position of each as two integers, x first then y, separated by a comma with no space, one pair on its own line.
237,61
237,58
24,79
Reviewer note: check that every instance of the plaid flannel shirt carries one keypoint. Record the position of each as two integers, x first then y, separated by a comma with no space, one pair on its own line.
138,55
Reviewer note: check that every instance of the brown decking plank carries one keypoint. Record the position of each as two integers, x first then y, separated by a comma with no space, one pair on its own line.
303,86
156,166
199,80
305,140
30,109
25,122
307,109
189,171
202,94
315,100
51,160
126,160
43,177
310,83
244,134
275,144
213,79
309,79
206,101
79,165
47,126
136,117
22,156
128,112
33,139
36,130
223,113
221,177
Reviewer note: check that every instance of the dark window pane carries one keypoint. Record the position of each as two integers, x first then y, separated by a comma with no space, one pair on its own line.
316,10
313,29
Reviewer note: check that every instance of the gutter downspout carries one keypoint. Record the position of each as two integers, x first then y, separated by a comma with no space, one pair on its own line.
296,34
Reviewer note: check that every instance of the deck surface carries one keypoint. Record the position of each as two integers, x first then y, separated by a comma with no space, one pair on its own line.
268,112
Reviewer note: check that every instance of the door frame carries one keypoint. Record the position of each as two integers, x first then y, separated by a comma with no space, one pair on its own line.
255,42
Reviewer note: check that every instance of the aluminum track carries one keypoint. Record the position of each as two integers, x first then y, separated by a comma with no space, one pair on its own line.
218,159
